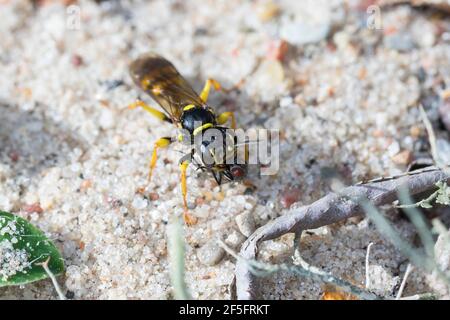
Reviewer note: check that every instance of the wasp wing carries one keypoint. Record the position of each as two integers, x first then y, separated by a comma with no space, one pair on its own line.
162,81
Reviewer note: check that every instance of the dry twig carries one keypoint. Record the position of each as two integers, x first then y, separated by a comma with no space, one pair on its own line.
367,265
53,278
327,210
409,268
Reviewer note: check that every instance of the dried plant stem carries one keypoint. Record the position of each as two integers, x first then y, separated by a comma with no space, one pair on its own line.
53,278
431,135
303,269
437,158
391,234
417,218
367,265
409,268
327,210
420,203
421,296
426,260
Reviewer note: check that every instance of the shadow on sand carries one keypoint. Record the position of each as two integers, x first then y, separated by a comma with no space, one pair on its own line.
30,142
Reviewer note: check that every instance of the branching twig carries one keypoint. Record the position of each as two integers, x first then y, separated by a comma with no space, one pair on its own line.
426,260
327,210
424,203
303,269
392,235
417,218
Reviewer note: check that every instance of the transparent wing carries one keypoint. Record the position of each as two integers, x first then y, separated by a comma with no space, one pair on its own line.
162,81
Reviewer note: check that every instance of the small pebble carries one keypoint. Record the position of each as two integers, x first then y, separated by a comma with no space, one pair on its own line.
378,133
286,102
246,223
27,93
86,184
341,39
153,196
415,132
381,282
208,196
77,60
210,254
289,196
199,201
299,33
269,78
139,203
277,50
33,208
424,34
106,120
400,41
267,10
403,158
14,156
393,148
234,239
272,71
300,100
219,196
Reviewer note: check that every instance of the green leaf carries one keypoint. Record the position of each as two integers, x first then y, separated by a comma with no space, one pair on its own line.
23,248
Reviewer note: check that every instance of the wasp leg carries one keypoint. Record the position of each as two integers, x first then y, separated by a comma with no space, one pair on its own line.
188,219
154,112
223,118
217,176
160,143
205,92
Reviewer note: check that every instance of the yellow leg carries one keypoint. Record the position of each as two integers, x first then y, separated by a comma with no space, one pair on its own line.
160,143
205,92
223,118
188,219
154,112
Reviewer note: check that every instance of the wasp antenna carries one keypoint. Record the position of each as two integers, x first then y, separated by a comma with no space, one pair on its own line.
248,142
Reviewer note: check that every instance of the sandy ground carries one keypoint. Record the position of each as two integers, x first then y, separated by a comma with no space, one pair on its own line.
72,156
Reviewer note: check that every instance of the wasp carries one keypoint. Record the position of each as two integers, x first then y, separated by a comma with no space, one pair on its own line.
189,111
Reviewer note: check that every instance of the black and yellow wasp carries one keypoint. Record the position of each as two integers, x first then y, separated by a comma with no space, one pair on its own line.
187,110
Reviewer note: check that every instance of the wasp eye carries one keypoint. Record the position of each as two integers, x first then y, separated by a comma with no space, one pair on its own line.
237,172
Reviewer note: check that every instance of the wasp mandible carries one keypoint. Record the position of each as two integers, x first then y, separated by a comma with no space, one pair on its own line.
187,110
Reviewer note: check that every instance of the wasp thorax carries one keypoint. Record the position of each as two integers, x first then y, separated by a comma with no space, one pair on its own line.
196,117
